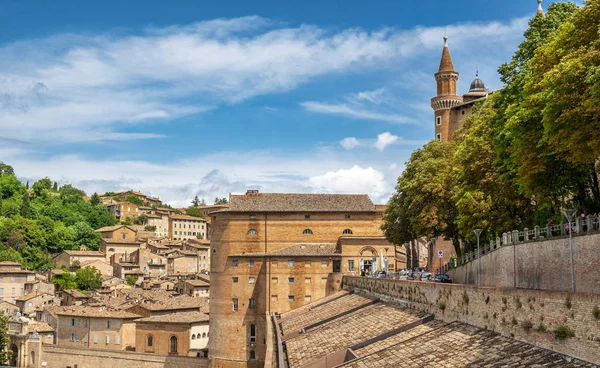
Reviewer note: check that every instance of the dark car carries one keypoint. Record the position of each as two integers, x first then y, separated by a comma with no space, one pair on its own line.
443,278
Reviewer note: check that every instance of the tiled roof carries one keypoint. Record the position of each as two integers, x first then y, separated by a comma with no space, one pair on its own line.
187,217
31,295
101,312
176,303
85,263
112,228
306,307
39,327
287,202
347,331
131,242
446,64
197,283
460,345
14,270
8,263
76,293
84,253
178,317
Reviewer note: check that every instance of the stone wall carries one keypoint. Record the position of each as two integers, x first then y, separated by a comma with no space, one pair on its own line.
59,357
528,315
542,265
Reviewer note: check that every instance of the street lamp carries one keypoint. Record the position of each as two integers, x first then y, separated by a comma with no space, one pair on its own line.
570,213
478,233
432,241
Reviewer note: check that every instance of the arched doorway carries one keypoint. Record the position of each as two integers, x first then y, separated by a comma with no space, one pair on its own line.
368,260
14,359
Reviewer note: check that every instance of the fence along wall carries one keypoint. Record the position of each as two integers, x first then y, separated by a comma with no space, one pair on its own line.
58,357
527,315
532,259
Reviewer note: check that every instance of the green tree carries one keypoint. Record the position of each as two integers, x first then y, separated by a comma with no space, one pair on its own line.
95,199
55,187
84,234
10,255
25,210
194,211
131,280
132,198
66,280
41,187
196,201
70,194
221,200
141,220
6,170
150,228
88,278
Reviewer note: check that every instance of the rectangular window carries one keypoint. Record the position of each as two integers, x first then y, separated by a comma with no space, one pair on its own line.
438,120
108,323
13,291
118,324
95,323
235,279
95,339
235,304
291,298
1,291
274,298
438,136
274,280
252,217
73,323
307,299
251,303
107,339
307,280
251,280
72,337
307,217
117,340
291,280
347,217
291,263
234,263
323,280
324,263
251,263
252,334
85,323
351,265
306,263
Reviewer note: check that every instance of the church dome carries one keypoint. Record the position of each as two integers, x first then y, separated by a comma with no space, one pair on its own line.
477,85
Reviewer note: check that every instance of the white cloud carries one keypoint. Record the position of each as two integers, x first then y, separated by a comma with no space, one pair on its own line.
349,143
355,180
393,166
68,87
354,112
384,140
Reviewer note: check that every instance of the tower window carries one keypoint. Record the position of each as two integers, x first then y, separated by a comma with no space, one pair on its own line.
463,112
347,232
438,137
438,120
307,232
252,232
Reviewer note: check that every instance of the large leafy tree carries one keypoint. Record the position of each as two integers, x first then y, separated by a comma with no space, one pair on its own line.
5,353
88,278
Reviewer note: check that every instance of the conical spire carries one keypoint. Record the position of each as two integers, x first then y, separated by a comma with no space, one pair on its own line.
446,64
540,10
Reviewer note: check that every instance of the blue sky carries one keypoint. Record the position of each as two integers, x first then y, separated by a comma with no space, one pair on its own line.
185,98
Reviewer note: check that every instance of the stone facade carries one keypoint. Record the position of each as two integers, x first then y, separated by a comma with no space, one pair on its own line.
183,227
68,257
12,283
528,315
543,264
274,253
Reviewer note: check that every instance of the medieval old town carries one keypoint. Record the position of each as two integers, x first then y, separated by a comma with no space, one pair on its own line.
299,184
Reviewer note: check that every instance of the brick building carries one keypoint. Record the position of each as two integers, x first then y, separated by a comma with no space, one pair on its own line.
276,252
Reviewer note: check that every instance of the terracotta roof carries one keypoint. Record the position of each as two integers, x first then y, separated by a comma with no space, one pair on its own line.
197,283
15,270
76,293
299,250
187,217
287,202
446,64
176,303
180,317
85,263
39,327
134,272
112,228
88,253
86,311
109,241
8,263
31,295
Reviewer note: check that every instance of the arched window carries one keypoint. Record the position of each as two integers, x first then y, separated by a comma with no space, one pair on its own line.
150,341
32,357
252,232
347,232
307,232
112,250
173,344
193,337
204,334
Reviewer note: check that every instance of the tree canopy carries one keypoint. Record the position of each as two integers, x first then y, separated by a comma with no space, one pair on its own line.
525,152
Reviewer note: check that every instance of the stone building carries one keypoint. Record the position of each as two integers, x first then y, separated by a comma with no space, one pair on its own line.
75,258
160,221
185,227
276,252
99,328
183,333
8,309
450,108
13,280
193,288
30,302
124,210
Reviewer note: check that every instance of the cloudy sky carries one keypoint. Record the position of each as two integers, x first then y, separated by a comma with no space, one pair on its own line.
185,98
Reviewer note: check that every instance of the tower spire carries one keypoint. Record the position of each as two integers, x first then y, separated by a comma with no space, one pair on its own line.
446,64
540,10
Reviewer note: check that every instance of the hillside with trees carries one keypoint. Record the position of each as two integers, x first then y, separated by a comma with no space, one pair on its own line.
45,219
527,151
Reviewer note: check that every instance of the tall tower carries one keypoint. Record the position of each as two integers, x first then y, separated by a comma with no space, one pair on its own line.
540,10
447,96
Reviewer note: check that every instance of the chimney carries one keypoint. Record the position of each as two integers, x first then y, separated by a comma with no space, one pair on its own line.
252,192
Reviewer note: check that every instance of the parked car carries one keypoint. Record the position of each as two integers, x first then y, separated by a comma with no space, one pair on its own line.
443,278
380,274
426,276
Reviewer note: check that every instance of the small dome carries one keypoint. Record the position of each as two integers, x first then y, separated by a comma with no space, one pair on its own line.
477,85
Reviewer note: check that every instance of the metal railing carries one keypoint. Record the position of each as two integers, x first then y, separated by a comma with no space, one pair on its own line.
584,225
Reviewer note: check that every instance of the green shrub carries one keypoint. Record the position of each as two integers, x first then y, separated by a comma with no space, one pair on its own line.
596,313
563,332
527,325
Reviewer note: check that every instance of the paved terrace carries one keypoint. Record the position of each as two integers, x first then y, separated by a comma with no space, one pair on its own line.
351,330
